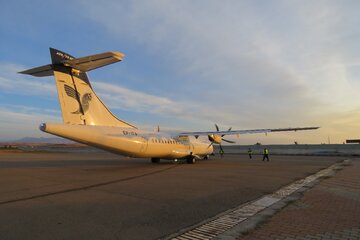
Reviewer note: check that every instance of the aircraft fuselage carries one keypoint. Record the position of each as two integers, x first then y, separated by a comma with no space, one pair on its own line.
132,142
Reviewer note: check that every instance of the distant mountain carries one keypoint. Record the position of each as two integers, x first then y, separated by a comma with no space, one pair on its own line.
51,140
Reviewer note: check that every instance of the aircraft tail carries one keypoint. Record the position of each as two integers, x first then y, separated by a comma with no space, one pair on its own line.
79,103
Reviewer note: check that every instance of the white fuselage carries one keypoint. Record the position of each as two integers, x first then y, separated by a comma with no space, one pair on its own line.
132,142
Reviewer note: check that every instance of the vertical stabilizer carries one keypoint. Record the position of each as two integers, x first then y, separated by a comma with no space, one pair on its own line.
79,103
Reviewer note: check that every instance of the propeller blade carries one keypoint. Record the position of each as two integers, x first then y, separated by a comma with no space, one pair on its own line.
217,127
228,131
228,141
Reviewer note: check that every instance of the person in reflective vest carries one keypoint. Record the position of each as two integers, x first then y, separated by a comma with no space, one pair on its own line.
266,154
221,152
250,153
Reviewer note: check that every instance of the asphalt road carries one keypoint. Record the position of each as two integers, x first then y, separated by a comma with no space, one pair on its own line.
105,196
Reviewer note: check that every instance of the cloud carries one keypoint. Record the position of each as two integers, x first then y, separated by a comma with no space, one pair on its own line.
119,97
233,57
13,82
123,98
244,62
19,121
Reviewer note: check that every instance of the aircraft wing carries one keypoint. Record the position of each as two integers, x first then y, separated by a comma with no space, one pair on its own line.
232,132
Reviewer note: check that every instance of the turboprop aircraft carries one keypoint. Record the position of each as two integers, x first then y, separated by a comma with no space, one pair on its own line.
87,120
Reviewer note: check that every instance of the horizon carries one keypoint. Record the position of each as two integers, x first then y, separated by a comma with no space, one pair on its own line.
255,65
50,140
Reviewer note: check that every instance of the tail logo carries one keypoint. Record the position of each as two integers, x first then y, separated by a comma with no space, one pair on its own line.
84,100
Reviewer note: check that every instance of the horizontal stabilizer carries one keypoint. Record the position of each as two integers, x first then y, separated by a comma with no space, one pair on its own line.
83,64
42,71
89,63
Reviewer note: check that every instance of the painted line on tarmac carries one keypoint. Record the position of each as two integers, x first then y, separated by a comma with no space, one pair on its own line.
86,187
228,220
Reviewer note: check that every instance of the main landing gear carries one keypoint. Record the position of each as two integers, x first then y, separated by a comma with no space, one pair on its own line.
155,160
189,160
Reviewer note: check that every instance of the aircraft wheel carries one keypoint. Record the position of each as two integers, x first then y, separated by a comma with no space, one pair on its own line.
206,157
190,160
155,160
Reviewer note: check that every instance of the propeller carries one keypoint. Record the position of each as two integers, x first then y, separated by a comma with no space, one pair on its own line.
223,139
215,138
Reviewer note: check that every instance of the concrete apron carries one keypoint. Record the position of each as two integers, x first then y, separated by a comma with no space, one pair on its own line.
244,218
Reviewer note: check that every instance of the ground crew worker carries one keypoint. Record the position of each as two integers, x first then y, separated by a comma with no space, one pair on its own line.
221,153
250,153
266,154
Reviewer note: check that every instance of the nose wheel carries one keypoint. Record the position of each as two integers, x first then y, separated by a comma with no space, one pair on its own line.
190,160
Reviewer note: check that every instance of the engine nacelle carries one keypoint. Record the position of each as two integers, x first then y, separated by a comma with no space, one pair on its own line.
214,138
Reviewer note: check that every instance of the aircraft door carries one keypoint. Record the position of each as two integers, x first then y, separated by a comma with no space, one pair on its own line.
144,144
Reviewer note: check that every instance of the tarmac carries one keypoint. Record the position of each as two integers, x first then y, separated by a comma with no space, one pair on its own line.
329,210
105,196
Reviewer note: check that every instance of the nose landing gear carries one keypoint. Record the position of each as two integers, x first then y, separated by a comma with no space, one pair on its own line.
190,159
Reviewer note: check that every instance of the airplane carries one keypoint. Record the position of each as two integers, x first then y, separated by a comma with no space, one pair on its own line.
87,120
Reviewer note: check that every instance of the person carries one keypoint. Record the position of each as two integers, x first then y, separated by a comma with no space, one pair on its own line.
266,154
250,153
221,153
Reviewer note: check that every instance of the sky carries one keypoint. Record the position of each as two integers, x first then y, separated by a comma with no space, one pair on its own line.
190,64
